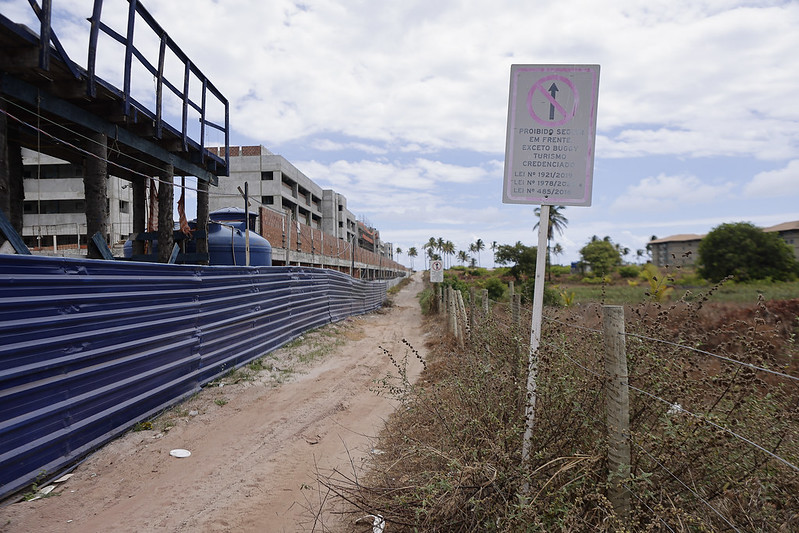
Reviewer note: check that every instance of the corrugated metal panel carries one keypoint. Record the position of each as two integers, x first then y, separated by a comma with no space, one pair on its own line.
87,348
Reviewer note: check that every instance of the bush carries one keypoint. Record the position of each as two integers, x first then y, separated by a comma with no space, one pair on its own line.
746,252
496,288
551,296
596,280
629,271
426,300
559,270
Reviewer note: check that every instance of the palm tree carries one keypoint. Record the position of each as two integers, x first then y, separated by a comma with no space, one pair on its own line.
429,245
494,247
479,246
557,222
557,249
412,253
449,249
623,250
398,252
463,257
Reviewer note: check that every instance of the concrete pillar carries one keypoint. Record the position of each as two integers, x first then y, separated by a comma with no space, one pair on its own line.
202,216
139,212
166,197
95,188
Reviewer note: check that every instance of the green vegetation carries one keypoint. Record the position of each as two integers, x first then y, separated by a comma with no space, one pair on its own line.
747,253
521,258
427,301
620,287
601,256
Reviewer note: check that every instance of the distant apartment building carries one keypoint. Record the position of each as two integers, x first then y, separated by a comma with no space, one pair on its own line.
275,183
675,250
54,218
682,250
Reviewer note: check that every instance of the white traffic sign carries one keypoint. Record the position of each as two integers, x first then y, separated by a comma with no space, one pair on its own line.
549,149
436,272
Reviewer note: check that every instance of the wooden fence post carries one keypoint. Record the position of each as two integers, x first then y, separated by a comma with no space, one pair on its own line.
618,407
453,320
516,306
485,303
472,306
463,329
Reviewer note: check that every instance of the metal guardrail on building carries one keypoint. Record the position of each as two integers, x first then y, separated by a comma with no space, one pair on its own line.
88,348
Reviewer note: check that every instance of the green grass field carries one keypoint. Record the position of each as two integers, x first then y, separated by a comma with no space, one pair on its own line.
728,292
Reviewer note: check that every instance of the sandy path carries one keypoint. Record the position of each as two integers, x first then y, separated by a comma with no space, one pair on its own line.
255,445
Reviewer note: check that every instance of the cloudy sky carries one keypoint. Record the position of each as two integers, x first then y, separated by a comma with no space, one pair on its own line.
402,106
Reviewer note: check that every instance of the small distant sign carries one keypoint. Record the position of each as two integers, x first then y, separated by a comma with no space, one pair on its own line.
436,272
549,149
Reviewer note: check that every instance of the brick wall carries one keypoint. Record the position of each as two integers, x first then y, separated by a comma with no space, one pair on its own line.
278,231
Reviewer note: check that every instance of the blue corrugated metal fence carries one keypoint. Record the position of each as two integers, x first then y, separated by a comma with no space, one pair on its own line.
88,348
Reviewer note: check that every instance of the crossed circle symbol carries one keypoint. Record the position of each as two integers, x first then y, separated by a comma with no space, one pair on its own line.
567,114
436,266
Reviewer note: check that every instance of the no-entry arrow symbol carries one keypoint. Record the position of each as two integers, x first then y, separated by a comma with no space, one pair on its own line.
553,90
569,98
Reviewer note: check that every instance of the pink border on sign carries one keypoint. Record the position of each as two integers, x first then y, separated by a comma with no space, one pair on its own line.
589,156
567,115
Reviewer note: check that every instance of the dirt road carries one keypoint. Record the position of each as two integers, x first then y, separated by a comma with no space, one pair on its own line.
256,437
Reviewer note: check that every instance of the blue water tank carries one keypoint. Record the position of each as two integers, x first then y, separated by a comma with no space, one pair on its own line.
227,245
227,240
232,215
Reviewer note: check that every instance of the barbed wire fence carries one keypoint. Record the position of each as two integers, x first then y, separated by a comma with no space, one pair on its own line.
700,420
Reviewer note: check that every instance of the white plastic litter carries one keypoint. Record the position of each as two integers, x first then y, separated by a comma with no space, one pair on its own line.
378,523
675,409
180,453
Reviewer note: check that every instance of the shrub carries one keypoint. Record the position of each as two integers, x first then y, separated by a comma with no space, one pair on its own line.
629,271
426,301
746,252
596,280
496,288
559,270
551,296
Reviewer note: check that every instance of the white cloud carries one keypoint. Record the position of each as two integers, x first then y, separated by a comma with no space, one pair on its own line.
354,178
663,193
781,182
328,145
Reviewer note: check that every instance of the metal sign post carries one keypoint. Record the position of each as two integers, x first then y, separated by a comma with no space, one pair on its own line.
549,160
535,330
